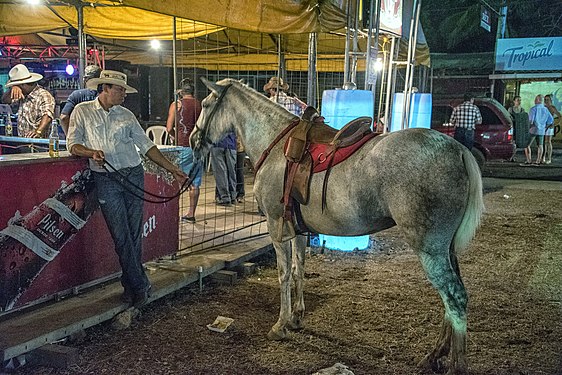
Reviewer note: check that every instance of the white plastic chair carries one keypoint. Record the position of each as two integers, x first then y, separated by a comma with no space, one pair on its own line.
158,135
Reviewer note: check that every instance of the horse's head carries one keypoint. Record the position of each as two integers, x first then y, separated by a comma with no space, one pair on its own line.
213,122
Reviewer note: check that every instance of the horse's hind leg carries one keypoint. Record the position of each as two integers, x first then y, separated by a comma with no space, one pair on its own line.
299,246
443,273
283,253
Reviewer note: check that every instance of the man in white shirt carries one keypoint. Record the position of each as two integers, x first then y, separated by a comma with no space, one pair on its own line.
104,131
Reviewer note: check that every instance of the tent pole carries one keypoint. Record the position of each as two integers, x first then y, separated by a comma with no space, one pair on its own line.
346,53
387,116
81,44
413,61
374,23
407,90
355,44
312,54
175,73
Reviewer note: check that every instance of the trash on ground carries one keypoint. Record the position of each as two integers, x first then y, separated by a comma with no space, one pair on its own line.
220,324
337,369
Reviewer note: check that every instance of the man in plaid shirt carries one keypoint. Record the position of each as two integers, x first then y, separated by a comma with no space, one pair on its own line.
37,105
465,117
276,89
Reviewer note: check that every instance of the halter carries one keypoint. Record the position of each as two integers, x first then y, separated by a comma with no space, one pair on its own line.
204,130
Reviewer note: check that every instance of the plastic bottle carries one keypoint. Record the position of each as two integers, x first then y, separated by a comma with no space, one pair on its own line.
8,130
54,140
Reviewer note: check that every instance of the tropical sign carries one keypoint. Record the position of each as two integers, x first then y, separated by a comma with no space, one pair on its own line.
524,54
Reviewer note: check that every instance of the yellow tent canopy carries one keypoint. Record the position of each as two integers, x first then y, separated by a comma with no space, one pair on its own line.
124,26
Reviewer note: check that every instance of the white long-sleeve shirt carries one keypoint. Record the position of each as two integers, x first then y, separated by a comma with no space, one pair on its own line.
116,132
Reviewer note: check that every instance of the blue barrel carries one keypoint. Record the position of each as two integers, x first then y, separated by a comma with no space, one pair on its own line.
338,108
420,111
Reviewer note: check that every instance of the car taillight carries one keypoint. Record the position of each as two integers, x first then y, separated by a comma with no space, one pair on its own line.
510,135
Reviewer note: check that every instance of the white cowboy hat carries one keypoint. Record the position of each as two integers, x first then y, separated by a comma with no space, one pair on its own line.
275,82
111,77
19,74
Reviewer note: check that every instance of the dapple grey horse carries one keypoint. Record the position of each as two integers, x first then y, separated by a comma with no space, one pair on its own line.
421,180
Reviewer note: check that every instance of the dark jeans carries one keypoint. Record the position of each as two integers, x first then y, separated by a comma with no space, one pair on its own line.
240,157
223,162
123,213
465,136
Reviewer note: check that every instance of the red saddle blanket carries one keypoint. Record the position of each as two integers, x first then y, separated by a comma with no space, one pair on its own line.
321,158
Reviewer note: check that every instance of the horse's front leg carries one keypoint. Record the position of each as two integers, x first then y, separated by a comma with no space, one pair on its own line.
283,253
299,246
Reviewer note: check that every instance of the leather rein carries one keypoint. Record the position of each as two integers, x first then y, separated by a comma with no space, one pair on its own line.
280,136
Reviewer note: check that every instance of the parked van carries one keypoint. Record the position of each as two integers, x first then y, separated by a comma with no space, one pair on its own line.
493,139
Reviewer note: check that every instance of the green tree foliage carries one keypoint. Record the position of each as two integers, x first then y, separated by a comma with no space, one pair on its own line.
454,25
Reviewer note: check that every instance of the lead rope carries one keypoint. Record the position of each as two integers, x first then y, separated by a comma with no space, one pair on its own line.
126,183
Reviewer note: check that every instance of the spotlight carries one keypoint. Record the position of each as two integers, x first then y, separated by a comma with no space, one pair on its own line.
69,69
155,44
33,2
378,65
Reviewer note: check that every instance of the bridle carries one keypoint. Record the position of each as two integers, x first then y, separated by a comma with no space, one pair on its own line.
204,129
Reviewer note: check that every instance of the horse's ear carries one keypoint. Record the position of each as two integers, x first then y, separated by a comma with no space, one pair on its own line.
216,89
242,81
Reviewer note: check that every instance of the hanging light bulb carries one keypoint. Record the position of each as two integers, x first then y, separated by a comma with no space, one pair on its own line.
155,44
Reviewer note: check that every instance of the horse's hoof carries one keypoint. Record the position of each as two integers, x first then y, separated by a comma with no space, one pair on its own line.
430,365
277,335
460,369
295,324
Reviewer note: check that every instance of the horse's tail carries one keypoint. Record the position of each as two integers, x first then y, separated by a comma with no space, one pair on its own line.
475,205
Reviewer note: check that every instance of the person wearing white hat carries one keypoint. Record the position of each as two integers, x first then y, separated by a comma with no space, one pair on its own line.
79,96
109,134
36,105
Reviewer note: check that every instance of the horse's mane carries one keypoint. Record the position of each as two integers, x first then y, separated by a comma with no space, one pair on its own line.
253,98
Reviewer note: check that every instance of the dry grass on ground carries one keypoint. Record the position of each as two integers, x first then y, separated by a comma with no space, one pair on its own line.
374,312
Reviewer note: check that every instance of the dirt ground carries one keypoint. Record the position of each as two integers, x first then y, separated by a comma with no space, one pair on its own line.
372,311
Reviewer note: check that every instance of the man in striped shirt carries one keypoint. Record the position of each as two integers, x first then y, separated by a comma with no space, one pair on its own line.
465,117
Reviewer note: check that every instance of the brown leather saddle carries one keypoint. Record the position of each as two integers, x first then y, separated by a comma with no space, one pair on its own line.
301,163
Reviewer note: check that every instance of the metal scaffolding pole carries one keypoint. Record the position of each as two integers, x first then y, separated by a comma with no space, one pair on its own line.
81,45
370,74
387,116
175,73
312,82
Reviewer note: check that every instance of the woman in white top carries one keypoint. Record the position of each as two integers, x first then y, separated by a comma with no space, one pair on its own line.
547,157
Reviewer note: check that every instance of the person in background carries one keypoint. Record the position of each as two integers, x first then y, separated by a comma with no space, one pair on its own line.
277,90
465,117
79,96
107,133
520,122
547,157
240,158
37,105
185,111
540,118
223,162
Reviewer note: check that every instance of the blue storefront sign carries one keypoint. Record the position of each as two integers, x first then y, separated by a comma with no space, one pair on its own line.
525,54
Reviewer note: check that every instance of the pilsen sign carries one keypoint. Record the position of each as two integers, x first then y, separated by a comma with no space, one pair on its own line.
524,54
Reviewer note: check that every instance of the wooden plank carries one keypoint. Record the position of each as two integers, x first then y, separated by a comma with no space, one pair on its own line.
29,330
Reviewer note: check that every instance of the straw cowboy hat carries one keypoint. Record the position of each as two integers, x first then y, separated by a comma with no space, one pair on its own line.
111,77
19,75
275,82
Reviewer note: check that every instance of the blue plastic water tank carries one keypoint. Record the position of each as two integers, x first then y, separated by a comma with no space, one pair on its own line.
338,108
341,106
420,113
